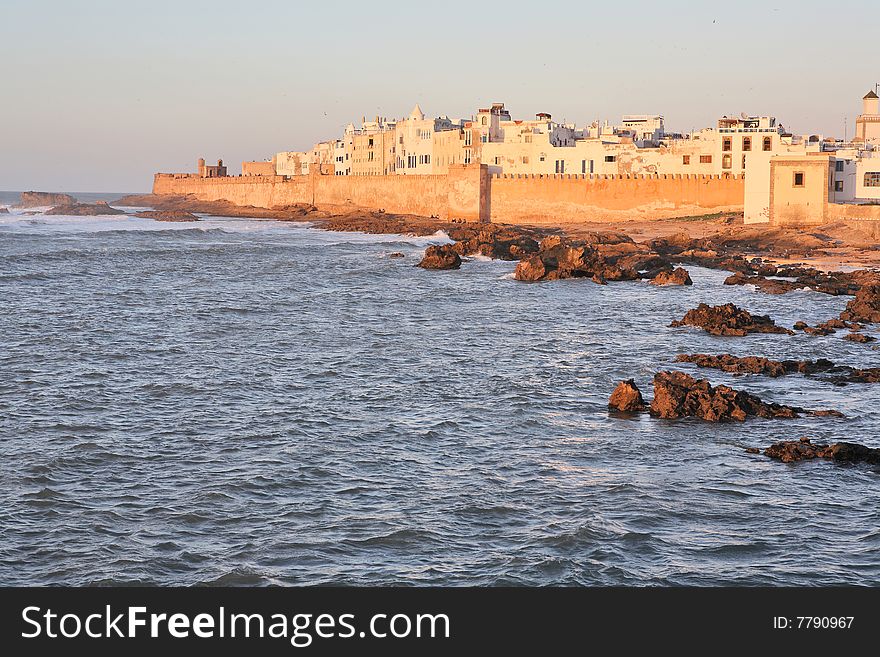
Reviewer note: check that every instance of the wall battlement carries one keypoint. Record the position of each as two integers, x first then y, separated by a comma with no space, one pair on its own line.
471,193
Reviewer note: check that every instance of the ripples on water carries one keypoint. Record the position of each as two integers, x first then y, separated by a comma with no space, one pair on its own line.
251,402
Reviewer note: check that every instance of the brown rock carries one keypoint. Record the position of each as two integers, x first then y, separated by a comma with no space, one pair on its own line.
818,330
729,320
626,398
829,371
861,338
167,215
800,326
38,199
679,276
789,451
678,395
767,285
84,209
530,269
396,254
440,257
865,308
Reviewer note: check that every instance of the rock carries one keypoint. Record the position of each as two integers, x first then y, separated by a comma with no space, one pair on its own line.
39,199
440,257
530,269
865,308
100,208
678,395
767,285
4,210
626,398
861,338
167,215
559,259
800,326
753,450
396,254
733,364
819,330
494,241
729,320
829,371
679,276
789,451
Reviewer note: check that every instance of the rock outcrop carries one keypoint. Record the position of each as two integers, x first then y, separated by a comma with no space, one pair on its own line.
865,308
729,320
860,338
626,398
678,276
789,451
678,395
493,241
167,215
767,285
558,259
84,210
40,199
440,257
822,368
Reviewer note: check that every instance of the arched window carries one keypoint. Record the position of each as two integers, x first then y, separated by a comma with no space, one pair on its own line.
725,162
485,120
747,143
768,143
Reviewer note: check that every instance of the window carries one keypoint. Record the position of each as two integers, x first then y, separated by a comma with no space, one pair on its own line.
725,161
370,143
726,144
611,158
838,185
747,143
370,156
428,158
560,166
798,178
497,159
705,159
468,138
467,156
528,139
838,166
484,121
768,143
484,138
542,156
744,163
872,179
685,159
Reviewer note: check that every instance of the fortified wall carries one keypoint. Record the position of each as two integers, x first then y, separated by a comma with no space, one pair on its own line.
470,193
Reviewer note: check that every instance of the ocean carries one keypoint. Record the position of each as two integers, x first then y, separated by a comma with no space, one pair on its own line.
252,402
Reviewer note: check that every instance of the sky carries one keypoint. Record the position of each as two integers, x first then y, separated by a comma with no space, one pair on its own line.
99,95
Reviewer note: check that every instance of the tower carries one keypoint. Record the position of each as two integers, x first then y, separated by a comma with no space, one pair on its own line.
200,168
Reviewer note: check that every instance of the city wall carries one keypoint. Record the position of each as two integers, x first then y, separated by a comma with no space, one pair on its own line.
536,199
470,193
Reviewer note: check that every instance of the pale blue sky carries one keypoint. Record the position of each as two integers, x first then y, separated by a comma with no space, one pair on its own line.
97,95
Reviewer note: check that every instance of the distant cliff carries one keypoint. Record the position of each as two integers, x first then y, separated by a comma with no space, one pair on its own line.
37,199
